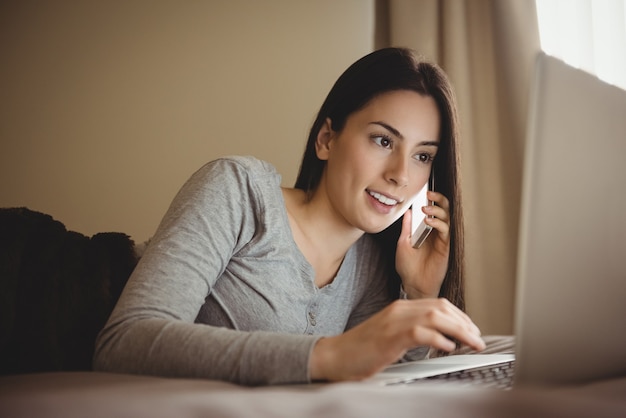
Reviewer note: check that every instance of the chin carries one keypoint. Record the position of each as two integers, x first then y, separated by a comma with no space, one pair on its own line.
380,226
376,229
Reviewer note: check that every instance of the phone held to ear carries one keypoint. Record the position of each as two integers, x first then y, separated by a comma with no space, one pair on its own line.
419,229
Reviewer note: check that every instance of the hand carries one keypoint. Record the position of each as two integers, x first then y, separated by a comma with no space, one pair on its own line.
422,270
384,338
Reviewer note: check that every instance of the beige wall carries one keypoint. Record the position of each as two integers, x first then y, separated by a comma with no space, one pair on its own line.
108,106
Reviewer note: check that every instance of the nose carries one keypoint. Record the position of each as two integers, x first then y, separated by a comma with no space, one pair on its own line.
397,171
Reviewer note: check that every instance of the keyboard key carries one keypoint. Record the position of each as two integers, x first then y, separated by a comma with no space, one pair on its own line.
498,376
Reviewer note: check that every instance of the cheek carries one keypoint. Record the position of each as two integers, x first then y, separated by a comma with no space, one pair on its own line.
421,176
350,161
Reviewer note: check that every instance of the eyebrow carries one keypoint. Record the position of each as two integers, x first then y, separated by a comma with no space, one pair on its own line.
397,133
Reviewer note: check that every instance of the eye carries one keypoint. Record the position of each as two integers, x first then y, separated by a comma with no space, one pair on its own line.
424,157
382,141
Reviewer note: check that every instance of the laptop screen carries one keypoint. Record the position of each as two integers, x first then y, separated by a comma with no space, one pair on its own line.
572,255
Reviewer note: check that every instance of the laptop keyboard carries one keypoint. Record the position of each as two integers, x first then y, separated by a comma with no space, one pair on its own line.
497,376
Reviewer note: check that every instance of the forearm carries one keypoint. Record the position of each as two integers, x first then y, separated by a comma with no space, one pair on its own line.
177,349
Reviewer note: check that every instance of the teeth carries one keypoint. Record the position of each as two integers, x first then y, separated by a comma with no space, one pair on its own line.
383,199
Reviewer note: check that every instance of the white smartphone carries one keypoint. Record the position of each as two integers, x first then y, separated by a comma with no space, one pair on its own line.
419,229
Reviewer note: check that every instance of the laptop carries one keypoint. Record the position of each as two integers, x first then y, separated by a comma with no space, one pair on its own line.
570,313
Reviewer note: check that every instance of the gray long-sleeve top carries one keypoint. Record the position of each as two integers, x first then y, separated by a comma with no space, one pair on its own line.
223,292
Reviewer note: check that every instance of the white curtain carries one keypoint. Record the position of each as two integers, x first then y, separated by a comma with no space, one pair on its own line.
587,34
488,49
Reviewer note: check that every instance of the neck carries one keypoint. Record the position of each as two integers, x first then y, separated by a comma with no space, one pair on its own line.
319,222
321,236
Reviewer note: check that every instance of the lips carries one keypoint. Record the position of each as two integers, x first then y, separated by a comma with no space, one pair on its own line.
385,200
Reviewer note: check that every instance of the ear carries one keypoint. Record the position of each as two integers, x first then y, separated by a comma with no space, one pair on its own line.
324,139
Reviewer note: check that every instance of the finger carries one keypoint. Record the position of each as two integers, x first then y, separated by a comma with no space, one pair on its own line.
441,226
447,319
463,336
439,199
438,216
428,336
452,309
459,330
437,212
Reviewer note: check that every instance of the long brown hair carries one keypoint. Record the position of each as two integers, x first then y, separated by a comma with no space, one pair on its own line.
385,70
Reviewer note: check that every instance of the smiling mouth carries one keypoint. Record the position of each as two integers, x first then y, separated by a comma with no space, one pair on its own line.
383,199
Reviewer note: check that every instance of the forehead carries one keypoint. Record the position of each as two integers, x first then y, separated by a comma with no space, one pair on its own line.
411,113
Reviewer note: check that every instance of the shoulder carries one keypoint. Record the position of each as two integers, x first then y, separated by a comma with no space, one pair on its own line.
229,194
235,172
242,165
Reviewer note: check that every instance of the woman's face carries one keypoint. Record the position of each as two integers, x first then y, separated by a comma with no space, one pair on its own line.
381,159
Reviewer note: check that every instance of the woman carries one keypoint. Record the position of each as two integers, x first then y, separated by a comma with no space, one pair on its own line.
248,282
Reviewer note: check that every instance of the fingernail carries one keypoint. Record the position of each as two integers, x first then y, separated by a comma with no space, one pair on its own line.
480,344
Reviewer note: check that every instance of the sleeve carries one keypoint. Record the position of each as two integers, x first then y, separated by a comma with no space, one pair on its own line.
152,331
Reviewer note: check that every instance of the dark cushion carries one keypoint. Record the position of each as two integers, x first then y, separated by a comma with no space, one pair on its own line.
57,289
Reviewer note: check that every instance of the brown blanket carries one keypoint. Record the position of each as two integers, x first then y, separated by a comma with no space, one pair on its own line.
90,394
